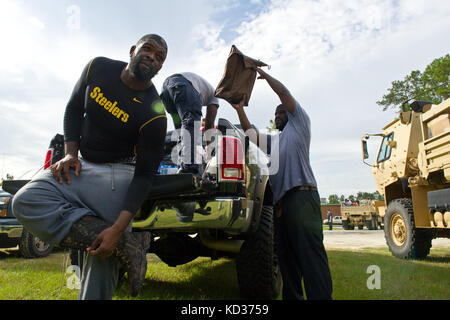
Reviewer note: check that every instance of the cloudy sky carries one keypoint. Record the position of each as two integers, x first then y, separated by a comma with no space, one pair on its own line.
336,57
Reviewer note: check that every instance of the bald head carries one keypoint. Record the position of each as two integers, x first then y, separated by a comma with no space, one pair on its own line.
147,57
154,40
281,117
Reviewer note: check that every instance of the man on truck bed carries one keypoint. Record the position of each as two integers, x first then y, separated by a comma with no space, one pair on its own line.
184,94
113,117
298,222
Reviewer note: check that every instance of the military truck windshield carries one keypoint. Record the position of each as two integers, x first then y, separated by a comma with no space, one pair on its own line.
385,149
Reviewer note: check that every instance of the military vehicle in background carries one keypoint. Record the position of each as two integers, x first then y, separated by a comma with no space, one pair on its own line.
412,171
363,215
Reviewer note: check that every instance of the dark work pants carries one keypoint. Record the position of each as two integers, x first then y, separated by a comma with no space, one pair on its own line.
184,104
299,247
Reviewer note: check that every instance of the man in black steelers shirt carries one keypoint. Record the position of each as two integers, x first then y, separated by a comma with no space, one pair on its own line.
114,116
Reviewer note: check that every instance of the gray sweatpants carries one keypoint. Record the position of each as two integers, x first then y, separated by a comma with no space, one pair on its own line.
48,209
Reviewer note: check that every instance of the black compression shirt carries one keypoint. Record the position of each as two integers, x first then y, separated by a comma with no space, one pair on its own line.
112,122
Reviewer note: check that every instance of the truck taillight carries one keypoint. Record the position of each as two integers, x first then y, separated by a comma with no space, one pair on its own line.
48,158
4,211
232,166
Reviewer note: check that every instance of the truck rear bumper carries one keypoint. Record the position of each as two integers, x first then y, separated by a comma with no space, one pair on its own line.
10,233
230,214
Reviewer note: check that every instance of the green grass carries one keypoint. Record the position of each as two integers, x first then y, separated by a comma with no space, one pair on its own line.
40,279
400,279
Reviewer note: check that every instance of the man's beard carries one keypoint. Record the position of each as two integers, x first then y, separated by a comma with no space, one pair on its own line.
140,73
281,125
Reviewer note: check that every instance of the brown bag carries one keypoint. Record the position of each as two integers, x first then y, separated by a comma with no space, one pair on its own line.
239,77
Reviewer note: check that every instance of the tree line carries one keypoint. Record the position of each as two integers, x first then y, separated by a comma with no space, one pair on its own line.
336,199
433,84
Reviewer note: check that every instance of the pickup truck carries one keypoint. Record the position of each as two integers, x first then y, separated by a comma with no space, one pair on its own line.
12,233
228,212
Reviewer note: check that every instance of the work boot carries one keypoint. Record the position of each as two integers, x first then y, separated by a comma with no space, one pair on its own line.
131,249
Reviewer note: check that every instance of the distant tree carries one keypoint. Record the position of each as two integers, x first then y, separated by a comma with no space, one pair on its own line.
272,126
378,196
365,195
333,199
431,85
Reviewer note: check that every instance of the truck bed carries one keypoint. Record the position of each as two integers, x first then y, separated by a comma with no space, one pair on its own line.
434,151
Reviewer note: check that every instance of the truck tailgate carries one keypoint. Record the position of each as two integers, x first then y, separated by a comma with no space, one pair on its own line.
163,185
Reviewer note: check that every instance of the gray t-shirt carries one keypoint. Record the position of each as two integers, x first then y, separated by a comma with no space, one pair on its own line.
203,87
294,168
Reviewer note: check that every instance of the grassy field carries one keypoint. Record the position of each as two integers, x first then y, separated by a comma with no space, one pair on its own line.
203,279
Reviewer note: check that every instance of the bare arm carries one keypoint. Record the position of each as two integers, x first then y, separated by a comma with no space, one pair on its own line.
71,148
211,113
283,93
245,123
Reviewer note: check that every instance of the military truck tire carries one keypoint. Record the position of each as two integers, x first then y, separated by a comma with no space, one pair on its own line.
345,224
404,240
257,267
32,247
374,223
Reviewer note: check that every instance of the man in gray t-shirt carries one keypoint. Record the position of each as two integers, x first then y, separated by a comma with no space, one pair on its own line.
298,219
294,138
184,95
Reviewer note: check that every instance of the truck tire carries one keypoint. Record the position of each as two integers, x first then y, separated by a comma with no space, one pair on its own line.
374,223
32,247
257,267
404,240
345,224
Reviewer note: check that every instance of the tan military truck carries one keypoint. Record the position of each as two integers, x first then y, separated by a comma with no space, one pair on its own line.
412,171
363,215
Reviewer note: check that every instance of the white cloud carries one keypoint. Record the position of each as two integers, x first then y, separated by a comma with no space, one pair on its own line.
15,106
37,23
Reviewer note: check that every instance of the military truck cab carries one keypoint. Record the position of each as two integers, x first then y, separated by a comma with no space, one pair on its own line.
412,171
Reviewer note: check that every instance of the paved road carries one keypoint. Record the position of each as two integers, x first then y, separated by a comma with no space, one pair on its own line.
356,239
